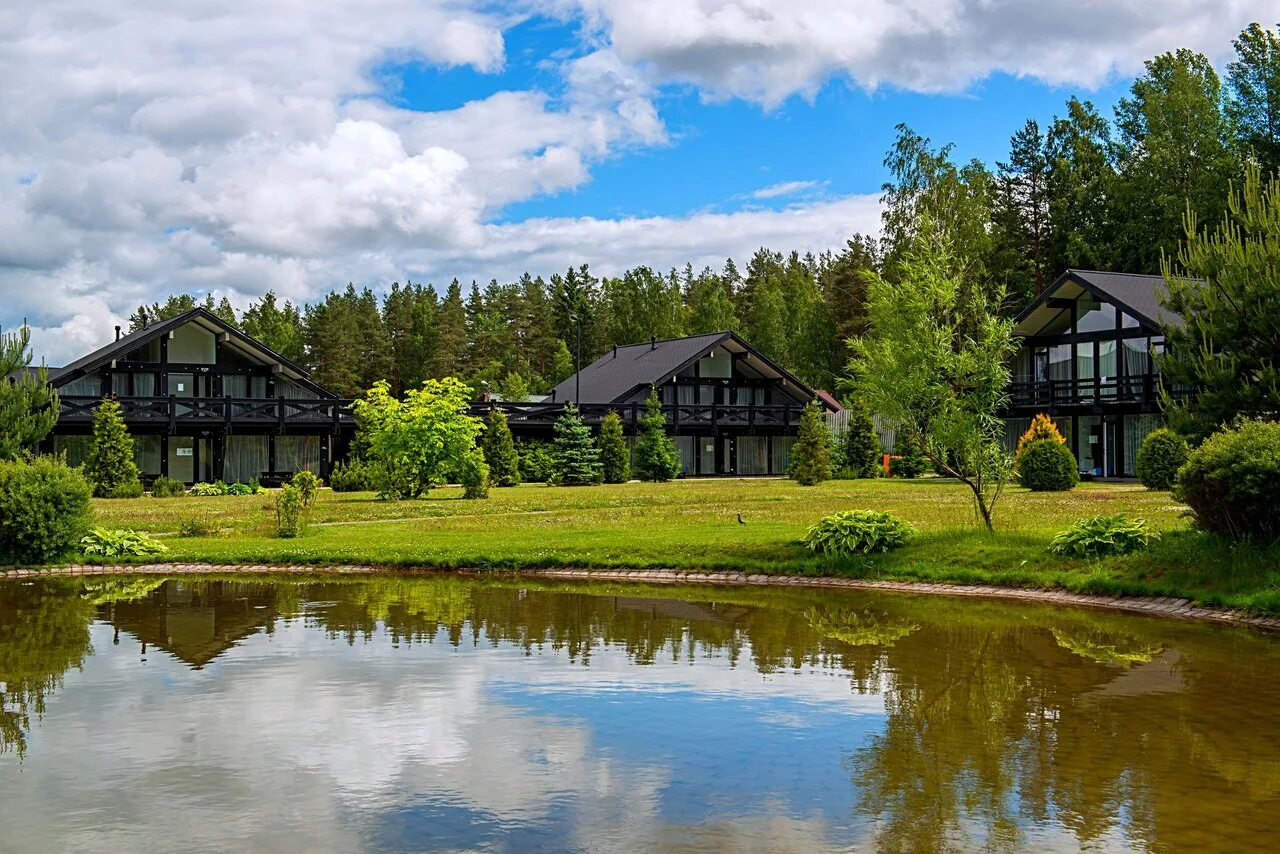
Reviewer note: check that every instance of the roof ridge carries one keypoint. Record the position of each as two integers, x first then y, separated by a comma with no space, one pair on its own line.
1114,273
677,338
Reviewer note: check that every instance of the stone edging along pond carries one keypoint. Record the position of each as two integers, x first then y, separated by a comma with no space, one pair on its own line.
1154,606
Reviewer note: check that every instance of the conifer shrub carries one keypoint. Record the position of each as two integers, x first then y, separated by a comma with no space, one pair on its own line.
577,459
853,532
474,475
167,487
1231,482
536,461
351,476
910,462
308,486
1047,466
657,458
44,510
1042,429
110,461
859,446
500,450
811,453
1162,453
615,457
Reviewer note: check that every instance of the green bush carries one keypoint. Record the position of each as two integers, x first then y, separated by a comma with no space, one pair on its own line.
308,486
859,450
811,454
615,456
1047,466
577,459
853,532
657,459
110,461
44,510
197,526
127,489
205,490
101,542
1103,535
167,487
289,512
500,450
351,476
1232,482
911,462
536,461
1162,453
474,475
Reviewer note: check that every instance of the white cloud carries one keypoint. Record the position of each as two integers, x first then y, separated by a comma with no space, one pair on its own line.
784,188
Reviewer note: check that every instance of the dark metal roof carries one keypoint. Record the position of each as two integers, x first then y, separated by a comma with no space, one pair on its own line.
1139,294
614,376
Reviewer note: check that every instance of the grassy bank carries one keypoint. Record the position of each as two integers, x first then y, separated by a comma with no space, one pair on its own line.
693,524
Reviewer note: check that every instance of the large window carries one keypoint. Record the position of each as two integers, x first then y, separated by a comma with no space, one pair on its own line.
1060,362
295,453
1093,315
1136,428
1107,367
146,453
684,444
245,457
781,453
753,455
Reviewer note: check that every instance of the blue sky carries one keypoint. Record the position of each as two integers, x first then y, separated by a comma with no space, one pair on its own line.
245,147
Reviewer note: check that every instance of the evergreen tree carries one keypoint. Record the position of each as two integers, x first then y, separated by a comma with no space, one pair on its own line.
577,459
811,453
500,450
1254,105
615,458
1021,215
110,464
767,321
1081,186
561,364
709,307
860,449
280,328
657,459
452,352
843,283
28,404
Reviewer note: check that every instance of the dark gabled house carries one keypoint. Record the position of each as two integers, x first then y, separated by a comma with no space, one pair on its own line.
731,410
1086,360
203,402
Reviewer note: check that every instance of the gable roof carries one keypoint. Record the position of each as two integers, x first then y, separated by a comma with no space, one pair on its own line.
119,348
630,367
1136,293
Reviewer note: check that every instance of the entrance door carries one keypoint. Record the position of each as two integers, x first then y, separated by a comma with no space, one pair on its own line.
182,460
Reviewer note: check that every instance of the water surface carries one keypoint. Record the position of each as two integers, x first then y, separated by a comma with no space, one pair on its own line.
442,714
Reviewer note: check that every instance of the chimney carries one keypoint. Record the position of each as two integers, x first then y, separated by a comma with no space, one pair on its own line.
653,342
117,333
615,351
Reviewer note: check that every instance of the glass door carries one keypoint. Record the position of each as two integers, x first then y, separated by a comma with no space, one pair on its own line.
182,458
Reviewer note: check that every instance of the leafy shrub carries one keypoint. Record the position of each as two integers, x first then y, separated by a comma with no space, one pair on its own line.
858,532
102,542
44,510
536,461
127,489
352,476
1047,466
308,486
1232,482
197,526
240,489
1042,429
910,463
167,487
1103,535
474,475
205,490
1162,453
288,509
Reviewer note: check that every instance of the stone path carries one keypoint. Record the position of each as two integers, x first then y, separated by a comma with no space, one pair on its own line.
1154,606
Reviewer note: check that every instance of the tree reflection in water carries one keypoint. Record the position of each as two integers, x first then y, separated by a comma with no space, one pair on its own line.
1002,724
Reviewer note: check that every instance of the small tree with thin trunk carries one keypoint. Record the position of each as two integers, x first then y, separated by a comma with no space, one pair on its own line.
577,459
935,364
500,450
110,462
657,459
811,454
615,458
28,404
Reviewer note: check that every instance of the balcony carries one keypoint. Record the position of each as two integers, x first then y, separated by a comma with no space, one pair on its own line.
682,416
1143,388
211,412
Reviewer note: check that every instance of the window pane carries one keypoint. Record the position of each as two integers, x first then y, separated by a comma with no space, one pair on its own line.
1094,316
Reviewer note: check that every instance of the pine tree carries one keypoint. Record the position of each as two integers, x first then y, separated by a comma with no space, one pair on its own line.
110,462
709,306
280,328
452,352
860,444
577,459
561,363
28,404
615,459
657,459
811,454
500,450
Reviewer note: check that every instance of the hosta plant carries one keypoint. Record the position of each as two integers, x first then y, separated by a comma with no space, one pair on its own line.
1103,535
103,542
852,532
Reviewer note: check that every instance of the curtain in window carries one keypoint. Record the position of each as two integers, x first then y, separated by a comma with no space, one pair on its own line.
235,385
295,453
684,444
686,393
1013,430
245,457
76,448
1136,428
782,453
1135,357
292,391
1107,368
146,454
1060,362
753,456
90,386
120,385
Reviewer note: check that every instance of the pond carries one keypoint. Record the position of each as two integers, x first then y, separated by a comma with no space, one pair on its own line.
437,713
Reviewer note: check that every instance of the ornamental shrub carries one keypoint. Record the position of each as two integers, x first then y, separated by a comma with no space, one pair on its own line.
44,510
859,445
1103,535
911,462
308,486
101,542
500,450
241,489
1042,429
110,461
615,457
205,490
577,459
1162,453
351,476
1231,482
288,509
536,461
657,459
474,475
1047,466
811,453
853,532
127,489
167,487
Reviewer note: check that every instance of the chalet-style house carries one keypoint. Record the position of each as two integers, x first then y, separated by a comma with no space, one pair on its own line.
203,401
1086,360
731,410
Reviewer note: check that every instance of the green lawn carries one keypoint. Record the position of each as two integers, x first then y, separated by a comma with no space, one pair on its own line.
693,525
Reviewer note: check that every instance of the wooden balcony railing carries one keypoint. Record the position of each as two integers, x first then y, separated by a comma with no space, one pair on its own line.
679,416
212,411
1143,388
